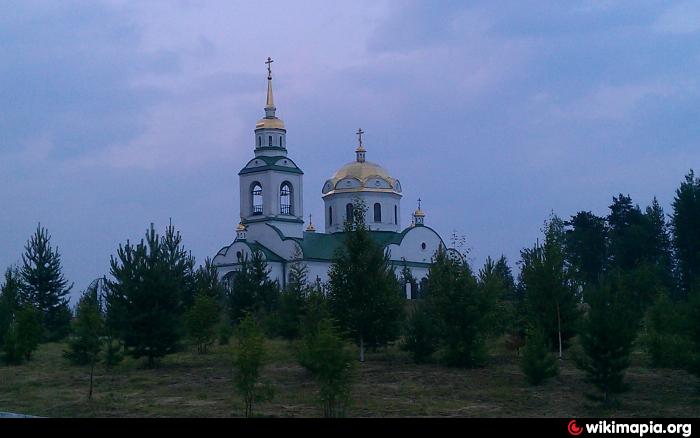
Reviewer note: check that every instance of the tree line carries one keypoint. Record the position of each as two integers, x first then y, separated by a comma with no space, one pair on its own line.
591,290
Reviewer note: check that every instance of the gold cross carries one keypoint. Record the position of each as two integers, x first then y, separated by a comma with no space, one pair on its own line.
269,70
418,203
359,135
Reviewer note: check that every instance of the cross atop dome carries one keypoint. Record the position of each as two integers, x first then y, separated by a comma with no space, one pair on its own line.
360,151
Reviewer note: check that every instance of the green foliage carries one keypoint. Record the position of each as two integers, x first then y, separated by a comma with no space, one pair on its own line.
206,281
328,358
538,363
685,222
201,321
364,294
606,337
667,340
252,290
22,336
85,345
292,303
224,329
550,295
420,335
461,309
9,300
248,361
586,247
86,342
44,286
150,281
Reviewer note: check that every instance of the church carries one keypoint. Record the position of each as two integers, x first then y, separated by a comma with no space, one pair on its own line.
272,210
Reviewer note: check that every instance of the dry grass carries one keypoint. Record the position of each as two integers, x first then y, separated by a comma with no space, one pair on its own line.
387,385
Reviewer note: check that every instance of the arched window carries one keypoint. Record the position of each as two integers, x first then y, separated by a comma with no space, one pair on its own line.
396,215
281,142
286,199
269,140
377,212
348,212
259,140
256,198
330,215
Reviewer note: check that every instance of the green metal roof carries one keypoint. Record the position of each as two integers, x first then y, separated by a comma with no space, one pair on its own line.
270,165
321,246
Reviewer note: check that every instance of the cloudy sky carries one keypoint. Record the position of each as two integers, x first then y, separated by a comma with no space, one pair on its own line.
115,114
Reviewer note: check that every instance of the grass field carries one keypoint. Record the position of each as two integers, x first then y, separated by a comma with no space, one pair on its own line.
387,385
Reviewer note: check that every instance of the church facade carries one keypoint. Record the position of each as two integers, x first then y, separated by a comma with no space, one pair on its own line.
272,211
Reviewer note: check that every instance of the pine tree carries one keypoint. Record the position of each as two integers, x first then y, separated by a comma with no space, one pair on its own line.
252,290
538,363
293,298
248,362
420,336
201,321
667,341
9,300
685,222
586,243
28,331
325,354
364,294
461,309
606,337
44,285
88,328
150,281
550,297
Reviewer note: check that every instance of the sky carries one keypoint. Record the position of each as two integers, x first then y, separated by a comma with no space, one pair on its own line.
118,114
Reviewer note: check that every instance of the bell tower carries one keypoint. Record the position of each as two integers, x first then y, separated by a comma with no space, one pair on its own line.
271,184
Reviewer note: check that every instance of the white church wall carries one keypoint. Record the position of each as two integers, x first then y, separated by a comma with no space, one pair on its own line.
387,200
419,244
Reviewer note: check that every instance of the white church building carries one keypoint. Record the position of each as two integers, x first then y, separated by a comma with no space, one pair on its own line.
272,211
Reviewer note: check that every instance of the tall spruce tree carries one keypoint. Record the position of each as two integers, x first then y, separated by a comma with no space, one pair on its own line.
44,286
685,222
150,281
550,296
364,294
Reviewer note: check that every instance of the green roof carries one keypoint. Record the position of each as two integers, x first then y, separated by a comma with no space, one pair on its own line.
321,246
270,165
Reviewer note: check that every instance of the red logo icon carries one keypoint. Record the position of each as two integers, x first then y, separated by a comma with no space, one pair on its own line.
574,429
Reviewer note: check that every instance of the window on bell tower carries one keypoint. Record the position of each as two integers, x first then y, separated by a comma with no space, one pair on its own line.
377,212
286,199
269,140
256,198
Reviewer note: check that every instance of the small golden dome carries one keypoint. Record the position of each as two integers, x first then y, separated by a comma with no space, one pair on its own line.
241,227
269,124
419,213
311,228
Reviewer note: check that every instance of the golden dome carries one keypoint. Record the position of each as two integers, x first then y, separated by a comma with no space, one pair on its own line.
362,171
367,177
269,124
419,213
240,227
